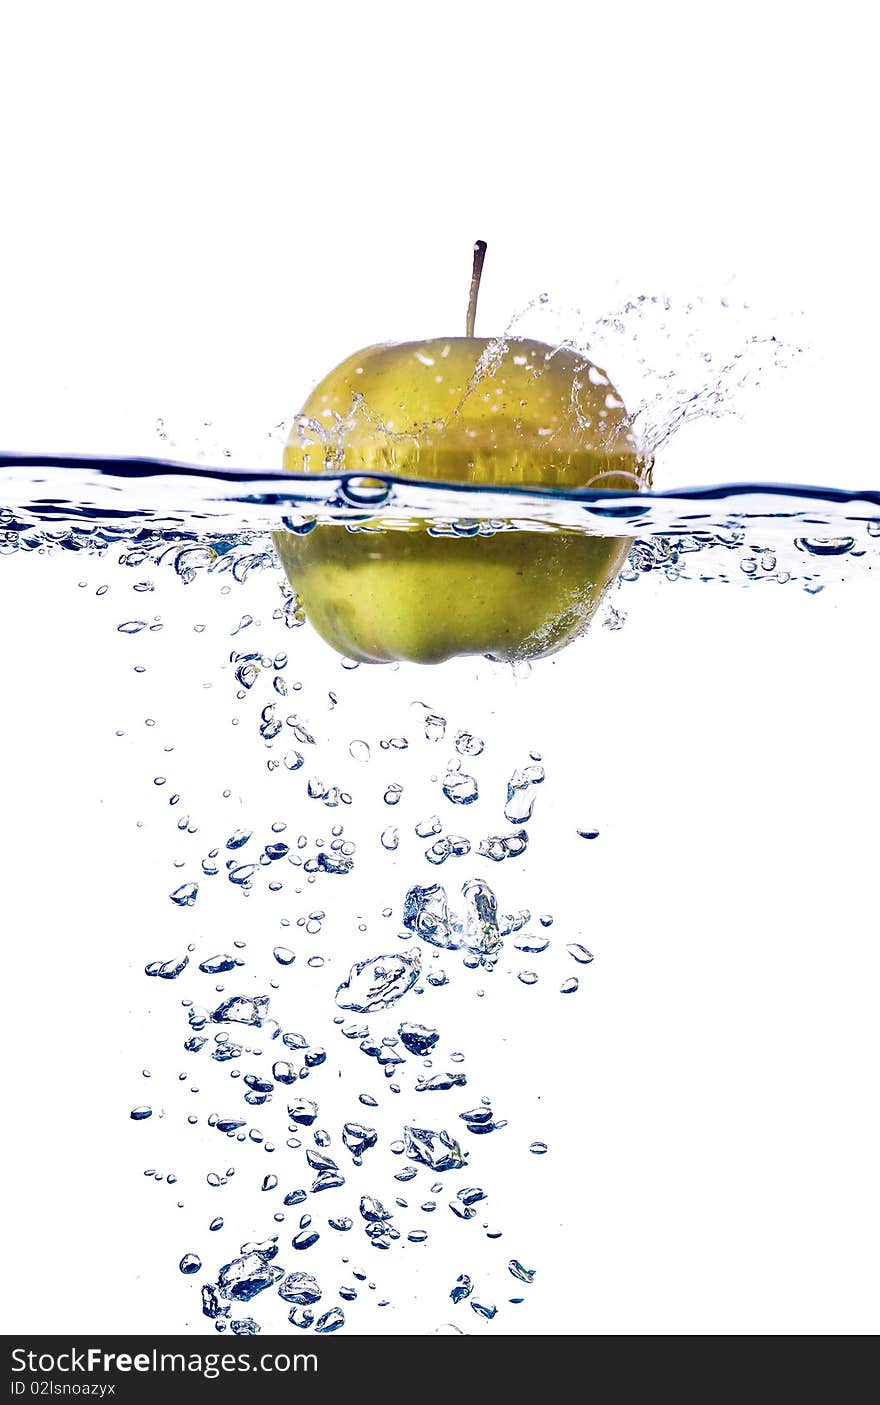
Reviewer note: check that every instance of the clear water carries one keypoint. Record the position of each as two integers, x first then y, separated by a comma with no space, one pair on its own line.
91,504
366,885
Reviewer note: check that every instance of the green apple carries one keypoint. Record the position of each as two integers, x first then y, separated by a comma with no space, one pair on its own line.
509,412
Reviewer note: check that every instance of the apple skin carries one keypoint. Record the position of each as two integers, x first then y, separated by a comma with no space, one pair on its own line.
459,410
378,597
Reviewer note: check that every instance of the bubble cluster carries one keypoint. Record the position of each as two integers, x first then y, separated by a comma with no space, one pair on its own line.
302,1033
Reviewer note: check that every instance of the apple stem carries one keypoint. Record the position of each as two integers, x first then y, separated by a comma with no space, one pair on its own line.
479,255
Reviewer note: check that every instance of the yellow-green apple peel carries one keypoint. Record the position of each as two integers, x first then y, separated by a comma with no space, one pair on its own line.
514,413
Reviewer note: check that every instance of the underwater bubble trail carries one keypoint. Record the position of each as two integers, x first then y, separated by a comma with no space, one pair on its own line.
401,1053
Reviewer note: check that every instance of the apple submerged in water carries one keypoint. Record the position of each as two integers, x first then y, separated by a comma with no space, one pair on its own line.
512,413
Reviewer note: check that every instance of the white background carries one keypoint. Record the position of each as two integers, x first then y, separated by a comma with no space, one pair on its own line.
205,207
